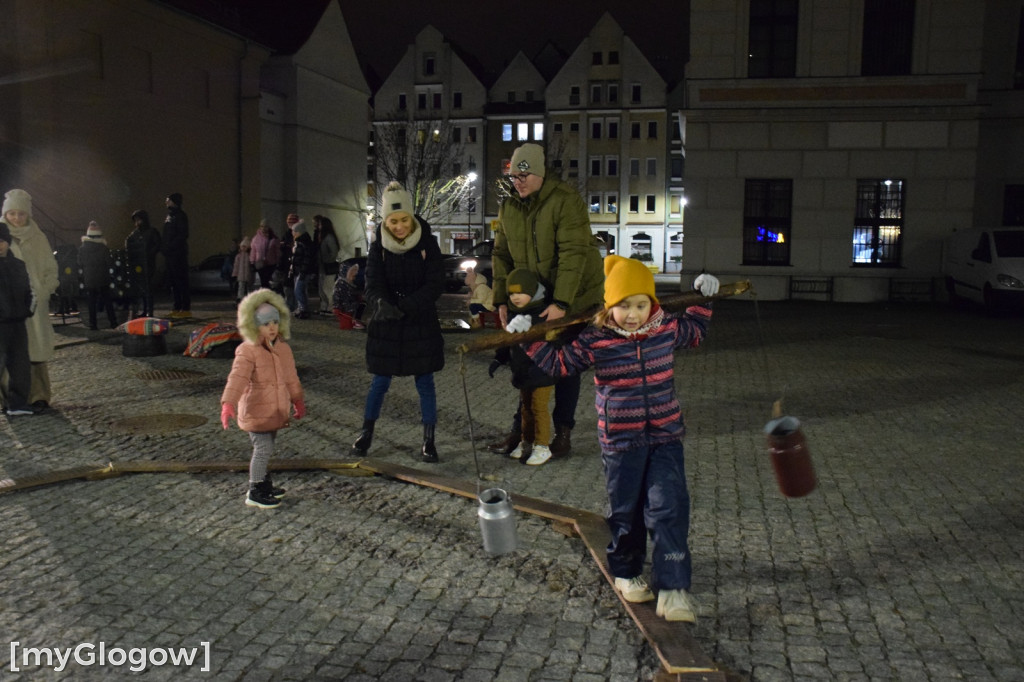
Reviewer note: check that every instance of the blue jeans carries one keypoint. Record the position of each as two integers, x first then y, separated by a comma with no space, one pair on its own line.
424,387
647,494
301,297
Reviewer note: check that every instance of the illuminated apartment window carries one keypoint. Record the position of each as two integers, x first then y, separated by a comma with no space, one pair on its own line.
506,132
767,219
595,203
878,223
522,131
611,203
538,131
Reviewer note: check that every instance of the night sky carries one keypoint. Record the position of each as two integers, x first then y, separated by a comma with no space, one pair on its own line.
493,32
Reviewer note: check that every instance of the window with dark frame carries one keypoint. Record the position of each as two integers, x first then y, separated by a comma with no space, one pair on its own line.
888,40
767,221
878,223
1013,205
772,42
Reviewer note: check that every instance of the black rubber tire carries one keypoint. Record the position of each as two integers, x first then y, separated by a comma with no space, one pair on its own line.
139,346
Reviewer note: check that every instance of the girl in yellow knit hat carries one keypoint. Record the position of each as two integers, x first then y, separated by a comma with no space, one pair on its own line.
640,428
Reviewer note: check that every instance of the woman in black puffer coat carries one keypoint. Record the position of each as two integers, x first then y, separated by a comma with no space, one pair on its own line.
404,279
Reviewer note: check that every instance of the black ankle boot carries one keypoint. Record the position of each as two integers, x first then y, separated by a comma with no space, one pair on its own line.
429,452
507,444
269,487
561,445
365,438
259,496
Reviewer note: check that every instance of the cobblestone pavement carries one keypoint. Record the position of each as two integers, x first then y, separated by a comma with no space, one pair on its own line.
904,564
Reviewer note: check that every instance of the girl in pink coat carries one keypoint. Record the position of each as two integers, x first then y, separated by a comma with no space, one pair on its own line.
263,387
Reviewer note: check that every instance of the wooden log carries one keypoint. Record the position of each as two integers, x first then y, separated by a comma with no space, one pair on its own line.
550,330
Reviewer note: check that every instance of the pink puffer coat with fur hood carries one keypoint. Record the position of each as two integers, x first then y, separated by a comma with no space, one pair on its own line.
263,382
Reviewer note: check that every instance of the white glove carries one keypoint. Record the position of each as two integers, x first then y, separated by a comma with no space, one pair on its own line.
519,323
706,284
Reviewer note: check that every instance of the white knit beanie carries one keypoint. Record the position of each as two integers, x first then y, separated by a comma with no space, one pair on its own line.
18,200
396,199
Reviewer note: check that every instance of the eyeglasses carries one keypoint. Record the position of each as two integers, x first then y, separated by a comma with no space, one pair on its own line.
519,178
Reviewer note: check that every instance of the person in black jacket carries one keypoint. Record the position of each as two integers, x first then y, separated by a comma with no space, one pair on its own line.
94,259
176,254
17,303
142,246
404,279
303,269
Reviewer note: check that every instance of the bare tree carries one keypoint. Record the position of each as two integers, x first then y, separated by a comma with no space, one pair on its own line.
424,156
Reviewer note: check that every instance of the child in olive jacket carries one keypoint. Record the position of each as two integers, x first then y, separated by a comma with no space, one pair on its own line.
263,387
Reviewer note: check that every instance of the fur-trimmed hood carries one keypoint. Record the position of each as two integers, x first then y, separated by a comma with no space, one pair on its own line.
246,322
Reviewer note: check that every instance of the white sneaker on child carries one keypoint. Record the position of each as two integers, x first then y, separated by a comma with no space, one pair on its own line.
518,452
541,454
676,605
634,590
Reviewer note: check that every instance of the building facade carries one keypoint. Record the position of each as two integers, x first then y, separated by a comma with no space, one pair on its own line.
602,117
109,106
831,147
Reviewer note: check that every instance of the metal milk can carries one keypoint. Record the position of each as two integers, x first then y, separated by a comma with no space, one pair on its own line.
497,521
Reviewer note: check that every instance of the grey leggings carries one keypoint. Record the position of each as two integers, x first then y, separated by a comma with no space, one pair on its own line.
262,449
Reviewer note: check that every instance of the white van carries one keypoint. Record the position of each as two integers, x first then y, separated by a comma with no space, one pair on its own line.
986,266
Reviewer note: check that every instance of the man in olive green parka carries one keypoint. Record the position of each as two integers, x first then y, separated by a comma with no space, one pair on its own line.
544,227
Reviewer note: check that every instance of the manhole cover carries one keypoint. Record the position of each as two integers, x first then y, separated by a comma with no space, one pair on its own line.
169,374
158,423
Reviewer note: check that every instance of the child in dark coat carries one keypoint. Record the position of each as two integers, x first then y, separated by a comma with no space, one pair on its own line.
631,346
17,303
527,299
94,259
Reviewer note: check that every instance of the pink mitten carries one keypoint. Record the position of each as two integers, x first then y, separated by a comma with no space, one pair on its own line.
300,408
227,411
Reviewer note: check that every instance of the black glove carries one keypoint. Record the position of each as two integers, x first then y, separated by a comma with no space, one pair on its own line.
386,312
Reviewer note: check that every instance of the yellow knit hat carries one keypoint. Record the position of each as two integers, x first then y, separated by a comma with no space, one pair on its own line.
625,277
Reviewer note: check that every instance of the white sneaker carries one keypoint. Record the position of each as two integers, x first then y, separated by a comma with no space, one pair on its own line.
676,605
541,454
517,453
634,589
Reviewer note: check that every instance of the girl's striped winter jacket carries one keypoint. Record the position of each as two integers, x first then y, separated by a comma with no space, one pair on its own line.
635,391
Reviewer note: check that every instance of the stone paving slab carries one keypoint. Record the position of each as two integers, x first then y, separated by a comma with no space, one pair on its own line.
905,563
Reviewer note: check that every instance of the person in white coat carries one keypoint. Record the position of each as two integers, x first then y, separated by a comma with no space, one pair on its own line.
31,246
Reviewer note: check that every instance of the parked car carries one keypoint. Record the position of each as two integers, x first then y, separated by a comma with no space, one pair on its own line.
455,265
208,275
986,266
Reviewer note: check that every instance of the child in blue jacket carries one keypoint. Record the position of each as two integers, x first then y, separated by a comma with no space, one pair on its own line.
631,346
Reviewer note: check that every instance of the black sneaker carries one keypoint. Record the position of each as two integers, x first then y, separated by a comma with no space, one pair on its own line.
259,497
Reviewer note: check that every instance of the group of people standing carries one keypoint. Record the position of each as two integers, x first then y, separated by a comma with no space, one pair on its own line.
546,266
27,263
290,264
